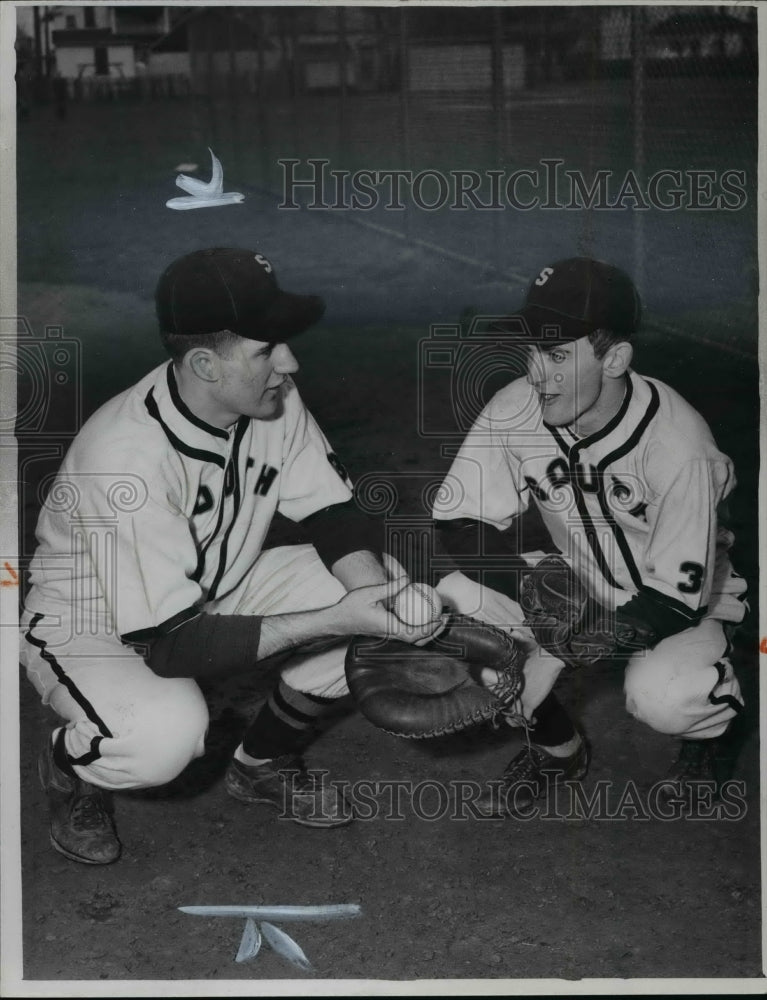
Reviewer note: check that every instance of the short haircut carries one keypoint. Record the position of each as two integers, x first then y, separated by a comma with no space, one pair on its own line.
177,344
602,340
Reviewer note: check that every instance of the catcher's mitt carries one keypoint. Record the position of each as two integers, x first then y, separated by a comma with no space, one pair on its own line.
568,623
432,690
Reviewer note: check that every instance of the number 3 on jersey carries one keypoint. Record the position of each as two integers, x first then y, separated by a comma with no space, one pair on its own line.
693,577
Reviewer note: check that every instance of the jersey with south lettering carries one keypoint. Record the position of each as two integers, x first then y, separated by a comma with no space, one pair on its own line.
633,506
155,512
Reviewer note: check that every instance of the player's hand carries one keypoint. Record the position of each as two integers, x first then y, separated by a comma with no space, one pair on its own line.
365,611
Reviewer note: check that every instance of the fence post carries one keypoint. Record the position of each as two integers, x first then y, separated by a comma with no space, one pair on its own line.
638,43
404,100
498,105
342,66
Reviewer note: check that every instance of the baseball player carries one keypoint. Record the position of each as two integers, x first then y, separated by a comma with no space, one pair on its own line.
150,569
628,481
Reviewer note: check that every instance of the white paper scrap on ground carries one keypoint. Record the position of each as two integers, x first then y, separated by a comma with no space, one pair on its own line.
332,911
282,943
205,194
250,944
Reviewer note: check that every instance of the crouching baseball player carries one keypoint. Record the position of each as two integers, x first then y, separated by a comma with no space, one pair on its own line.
628,481
149,570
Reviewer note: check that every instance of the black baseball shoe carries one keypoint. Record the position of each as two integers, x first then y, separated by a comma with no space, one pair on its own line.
529,777
284,782
696,776
82,828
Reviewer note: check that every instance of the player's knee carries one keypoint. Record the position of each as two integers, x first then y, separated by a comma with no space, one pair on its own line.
659,709
169,735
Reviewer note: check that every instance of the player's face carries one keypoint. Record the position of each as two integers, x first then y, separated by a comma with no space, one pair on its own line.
253,377
569,380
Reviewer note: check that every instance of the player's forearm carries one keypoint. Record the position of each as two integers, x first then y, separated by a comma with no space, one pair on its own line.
360,569
283,632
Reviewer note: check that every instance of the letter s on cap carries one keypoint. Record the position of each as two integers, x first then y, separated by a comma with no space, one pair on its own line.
544,276
264,263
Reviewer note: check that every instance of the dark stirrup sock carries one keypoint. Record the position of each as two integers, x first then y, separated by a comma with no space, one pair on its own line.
286,723
553,726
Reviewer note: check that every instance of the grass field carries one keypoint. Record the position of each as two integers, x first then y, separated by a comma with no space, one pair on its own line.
539,899
93,224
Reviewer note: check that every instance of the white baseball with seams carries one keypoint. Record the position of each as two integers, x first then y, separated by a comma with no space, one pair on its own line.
417,604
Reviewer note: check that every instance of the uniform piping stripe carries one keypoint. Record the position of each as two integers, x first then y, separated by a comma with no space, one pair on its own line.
200,567
92,755
238,436
629,445
184,410
611,424
591,534
633,440
63,679
626,447
199,453
723,699
623,545
144,635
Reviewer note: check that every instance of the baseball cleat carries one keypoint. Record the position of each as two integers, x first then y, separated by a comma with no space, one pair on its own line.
529,777
698,773
284,782
81,828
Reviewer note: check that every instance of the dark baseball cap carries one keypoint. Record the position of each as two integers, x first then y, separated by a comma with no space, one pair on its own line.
225,288
572,298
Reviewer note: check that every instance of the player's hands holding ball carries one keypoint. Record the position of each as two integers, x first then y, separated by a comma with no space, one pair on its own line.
411,612
418,605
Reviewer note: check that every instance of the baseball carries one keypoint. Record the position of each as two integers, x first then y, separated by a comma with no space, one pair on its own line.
417,604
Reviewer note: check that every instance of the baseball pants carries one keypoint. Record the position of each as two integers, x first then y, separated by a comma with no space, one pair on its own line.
127,727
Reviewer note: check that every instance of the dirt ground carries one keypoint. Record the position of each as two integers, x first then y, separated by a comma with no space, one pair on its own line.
448,897
560,896
442,895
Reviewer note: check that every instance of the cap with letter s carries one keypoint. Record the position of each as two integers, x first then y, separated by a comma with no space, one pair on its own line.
573,297
227,288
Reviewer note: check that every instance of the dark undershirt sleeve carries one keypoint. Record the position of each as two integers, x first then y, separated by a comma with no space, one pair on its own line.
205,646
483,553
341,529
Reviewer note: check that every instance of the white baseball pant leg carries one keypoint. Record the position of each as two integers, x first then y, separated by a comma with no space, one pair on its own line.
685,686
126,726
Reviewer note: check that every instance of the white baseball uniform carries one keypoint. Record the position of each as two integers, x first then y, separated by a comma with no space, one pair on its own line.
633,507
154,516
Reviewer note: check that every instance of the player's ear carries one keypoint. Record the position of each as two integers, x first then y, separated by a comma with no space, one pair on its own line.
617,360
203,363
